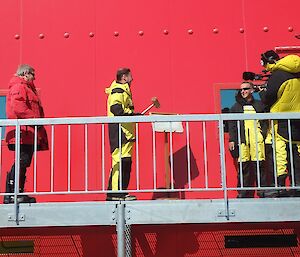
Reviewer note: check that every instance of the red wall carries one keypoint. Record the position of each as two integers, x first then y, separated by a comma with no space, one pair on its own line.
207,43
180,68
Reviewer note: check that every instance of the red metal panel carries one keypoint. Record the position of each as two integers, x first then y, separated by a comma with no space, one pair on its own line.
10,43
177,51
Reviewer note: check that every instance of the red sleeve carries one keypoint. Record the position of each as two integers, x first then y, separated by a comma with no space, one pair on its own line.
19,102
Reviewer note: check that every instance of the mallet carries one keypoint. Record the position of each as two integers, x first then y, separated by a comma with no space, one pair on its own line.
155,103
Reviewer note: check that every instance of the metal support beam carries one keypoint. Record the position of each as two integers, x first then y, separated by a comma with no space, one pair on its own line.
121,229
128,245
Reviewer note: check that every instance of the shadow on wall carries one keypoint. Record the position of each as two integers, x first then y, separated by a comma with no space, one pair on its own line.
180,164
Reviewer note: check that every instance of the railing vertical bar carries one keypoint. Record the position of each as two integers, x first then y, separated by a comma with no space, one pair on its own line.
291,153
69,158
52,159
120,158
205,154
171,156
274,153
17,171
103,156
86,178
34,159
240,154
137,158
154,157
256,154
223,167
188,153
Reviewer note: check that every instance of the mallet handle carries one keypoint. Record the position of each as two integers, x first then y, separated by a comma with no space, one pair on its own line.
147,109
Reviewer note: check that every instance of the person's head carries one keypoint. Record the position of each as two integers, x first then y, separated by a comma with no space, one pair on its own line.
26,72
246,90
124,76
269,57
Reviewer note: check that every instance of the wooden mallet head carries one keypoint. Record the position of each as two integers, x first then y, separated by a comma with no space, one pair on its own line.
155,103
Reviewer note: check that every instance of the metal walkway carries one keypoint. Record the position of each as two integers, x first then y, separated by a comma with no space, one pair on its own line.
151,212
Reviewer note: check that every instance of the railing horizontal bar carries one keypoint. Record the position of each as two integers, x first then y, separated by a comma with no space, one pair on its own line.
152,118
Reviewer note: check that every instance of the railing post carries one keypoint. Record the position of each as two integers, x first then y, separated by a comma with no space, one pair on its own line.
223,166
17,170
121,229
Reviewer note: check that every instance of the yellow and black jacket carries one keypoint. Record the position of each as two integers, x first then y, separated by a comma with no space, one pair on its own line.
119,103
242,106
283,93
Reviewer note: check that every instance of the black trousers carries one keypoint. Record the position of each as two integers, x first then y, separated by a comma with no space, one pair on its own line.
250,177
26,153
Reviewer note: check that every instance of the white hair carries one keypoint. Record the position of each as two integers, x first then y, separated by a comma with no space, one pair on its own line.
24,69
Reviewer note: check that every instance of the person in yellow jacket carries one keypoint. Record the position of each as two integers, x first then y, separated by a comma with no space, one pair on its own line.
282,94
252,134
119,103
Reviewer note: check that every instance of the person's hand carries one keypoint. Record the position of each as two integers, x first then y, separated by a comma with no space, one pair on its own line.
261,88
231,146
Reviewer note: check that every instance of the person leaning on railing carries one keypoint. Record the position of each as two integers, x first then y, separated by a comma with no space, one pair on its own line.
282,94
252,136
23,102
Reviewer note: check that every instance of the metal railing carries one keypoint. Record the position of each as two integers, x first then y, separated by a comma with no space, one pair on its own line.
194,160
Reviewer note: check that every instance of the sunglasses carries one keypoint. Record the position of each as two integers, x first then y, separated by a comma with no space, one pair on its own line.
245,88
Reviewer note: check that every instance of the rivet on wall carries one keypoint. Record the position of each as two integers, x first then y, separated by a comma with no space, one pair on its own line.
266,29
242,30
41,35
215,30
141,33
66,35
190,31
290,29
116,33
91,34
166,32
17,36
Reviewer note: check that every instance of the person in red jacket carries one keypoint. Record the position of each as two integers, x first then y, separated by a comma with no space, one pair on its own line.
23,102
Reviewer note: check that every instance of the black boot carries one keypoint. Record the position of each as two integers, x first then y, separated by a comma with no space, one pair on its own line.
9,188
281,183
24,198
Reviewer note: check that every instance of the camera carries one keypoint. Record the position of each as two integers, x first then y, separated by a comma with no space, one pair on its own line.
248,75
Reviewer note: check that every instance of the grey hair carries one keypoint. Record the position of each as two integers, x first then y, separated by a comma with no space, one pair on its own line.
24,69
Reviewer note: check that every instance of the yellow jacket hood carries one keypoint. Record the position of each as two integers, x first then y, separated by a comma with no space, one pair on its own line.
289,63
115,84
